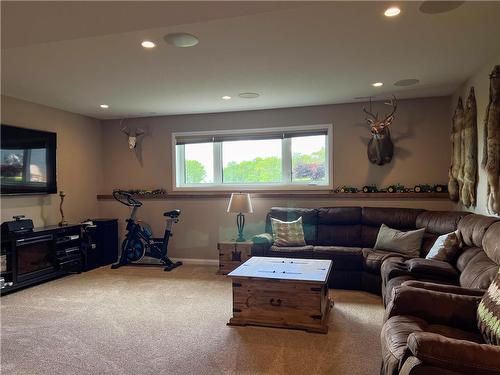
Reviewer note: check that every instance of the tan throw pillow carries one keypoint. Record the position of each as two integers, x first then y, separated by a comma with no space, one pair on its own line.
488,313
407,243
445,248
288,233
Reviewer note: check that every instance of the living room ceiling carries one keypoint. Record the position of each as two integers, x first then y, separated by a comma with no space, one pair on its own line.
78,55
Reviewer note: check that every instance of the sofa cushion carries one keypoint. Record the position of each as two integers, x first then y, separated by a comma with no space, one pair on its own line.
479,272
440,222
344,258
433,268
288,233
339,235
473,227
488,313
445,248
369,235
465,256
373,259
407,243
339,215
399,218
491,242
309,220
291,251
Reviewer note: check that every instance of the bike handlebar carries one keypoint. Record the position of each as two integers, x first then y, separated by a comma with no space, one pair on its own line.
130,201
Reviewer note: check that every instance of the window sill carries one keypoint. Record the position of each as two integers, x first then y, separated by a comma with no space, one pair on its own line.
324,194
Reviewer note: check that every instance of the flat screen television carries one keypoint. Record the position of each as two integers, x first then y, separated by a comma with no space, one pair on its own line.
28,161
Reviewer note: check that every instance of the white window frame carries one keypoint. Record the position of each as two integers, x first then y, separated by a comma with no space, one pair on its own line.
217,185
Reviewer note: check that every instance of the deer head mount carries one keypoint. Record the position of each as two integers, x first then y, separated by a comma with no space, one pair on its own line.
380,148
132,138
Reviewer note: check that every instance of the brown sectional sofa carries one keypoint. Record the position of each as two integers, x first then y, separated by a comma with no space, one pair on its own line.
347,236
475,266
430,325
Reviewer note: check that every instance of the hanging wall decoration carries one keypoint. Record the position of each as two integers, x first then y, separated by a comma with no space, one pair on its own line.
454,184
380,148
468,192
491,150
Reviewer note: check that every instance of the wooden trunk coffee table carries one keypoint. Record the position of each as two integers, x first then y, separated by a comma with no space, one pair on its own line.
282,292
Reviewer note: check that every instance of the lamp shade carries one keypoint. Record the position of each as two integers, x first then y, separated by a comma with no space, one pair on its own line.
240,203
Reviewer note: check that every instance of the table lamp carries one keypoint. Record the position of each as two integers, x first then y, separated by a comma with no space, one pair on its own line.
240,203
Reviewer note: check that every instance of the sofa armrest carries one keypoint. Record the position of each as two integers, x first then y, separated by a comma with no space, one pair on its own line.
261,244
434,307
432,268
462,356
445,288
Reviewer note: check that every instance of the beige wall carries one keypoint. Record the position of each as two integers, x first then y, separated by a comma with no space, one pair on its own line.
481,82
78,163
95,159
420,133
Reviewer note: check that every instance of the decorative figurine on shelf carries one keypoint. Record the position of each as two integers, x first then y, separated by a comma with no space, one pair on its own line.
63,222
348,189
397,188
142,192
422,188
440,188
370,189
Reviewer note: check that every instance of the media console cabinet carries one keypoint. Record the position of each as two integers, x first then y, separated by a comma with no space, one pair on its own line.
44,253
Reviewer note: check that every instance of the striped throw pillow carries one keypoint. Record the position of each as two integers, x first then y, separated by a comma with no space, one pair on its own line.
488,313
288,233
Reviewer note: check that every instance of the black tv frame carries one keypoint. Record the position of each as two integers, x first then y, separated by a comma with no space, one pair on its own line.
49,139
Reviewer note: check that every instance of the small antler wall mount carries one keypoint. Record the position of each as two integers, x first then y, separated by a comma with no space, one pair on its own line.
380,148
132,135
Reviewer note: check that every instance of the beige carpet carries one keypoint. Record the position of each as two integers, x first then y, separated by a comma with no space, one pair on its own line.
145,321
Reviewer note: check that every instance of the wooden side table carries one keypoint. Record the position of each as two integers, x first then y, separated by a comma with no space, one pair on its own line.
232,254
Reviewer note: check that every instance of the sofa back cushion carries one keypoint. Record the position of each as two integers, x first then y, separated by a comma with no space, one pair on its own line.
440,222
309,220
473,228
339,226
479,270
491,242
373,217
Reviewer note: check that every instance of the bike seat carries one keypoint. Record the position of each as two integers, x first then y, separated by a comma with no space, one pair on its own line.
173,214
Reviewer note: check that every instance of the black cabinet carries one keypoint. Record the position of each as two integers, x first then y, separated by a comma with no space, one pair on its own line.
40,254
100,244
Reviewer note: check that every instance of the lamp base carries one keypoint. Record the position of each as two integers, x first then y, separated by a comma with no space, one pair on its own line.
240,223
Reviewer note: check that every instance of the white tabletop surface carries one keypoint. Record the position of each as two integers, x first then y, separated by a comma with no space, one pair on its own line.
284,269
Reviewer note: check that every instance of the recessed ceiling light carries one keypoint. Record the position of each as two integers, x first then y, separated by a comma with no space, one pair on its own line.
104,106
182,40
148,44
406,82
377,84
248,95
226,97
392,12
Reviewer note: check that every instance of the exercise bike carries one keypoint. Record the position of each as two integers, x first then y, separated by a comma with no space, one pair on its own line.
139,241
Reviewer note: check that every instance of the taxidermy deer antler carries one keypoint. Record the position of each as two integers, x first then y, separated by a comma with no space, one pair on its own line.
132,139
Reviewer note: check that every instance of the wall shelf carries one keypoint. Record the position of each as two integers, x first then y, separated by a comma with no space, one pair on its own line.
289,195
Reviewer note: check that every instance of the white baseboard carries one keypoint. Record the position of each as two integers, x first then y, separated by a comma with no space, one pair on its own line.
198,262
